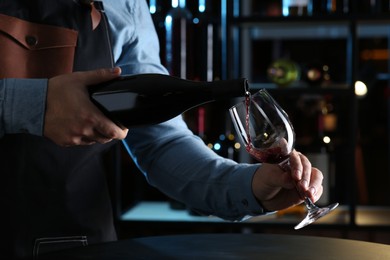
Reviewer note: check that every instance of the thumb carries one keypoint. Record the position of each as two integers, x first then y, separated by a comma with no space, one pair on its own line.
94,77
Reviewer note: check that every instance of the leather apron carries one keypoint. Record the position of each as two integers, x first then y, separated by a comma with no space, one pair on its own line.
51,197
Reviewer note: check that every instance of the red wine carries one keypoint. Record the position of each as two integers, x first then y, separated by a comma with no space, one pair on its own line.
147,99
247,106
269,155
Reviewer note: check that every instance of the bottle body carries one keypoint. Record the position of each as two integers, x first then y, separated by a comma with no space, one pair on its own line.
178,41
315,73
296,7
147,99
284,72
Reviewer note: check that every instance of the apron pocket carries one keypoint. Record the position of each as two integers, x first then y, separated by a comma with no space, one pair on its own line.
33,50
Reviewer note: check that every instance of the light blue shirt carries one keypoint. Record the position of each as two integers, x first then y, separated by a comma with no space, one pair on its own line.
171,157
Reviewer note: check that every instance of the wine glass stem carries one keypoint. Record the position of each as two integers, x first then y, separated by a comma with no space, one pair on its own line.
309,204
285,165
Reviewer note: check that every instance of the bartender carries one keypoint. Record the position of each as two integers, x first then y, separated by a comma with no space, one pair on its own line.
53,189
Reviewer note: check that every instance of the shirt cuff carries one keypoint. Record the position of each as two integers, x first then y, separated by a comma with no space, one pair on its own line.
24,105
246,202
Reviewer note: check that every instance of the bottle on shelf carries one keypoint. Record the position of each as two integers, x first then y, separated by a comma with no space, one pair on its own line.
267,8
284,72
178,40
225,142
335,6
315,73
206,42
158,10
320,158
205,54
321,7
314,139
372,6
146,99
296,7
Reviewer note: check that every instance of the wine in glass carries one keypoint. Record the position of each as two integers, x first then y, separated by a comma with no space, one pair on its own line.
268,135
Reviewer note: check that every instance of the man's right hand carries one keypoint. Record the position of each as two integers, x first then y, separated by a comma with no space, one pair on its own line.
71,118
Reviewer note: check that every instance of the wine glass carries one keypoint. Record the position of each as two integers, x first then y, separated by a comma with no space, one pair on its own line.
268,135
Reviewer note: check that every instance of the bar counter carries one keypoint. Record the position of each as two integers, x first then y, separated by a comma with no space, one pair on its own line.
230,246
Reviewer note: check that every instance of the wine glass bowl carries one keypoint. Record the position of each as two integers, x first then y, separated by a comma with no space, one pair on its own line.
264,127
268,135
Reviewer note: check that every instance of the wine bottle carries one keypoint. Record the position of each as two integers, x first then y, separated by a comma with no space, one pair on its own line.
284,72
337,6
314,73
158,10
296,7
269,8
206,42
369,6
320,156
146,99
178,40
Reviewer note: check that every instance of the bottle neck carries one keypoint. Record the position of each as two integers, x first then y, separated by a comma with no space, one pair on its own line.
229,88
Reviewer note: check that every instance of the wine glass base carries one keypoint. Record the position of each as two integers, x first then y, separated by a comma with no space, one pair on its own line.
315,214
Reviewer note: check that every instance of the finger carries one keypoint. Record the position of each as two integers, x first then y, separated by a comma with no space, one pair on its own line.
86,141
99,138
92,139
300,170
305,179
100,75
76,141
276,177
104,129
107,129
315,188
296,165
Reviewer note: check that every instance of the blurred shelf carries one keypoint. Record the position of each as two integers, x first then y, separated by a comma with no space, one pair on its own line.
150,211
372,216
269,38
311,28
301,87
162,212
323,19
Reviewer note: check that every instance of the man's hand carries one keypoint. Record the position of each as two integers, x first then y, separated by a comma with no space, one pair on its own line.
276,189
71,118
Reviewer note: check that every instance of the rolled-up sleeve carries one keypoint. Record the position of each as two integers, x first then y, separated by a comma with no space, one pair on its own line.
22,106
136,46
180,165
